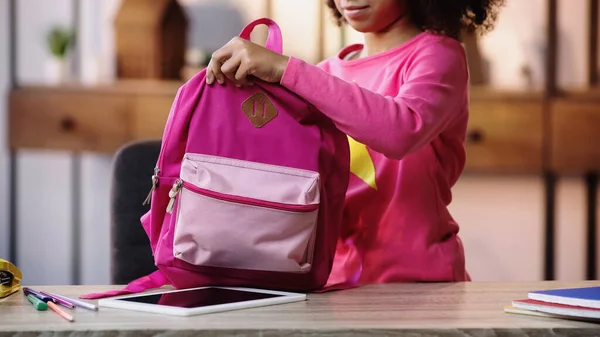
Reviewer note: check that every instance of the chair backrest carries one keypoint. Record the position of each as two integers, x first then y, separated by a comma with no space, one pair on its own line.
131,256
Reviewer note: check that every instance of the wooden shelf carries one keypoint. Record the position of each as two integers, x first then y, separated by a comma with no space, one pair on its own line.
575,126
505,135
79,118
508,132
485,93
124,87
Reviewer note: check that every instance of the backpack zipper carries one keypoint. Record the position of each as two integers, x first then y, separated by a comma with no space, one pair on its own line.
173,193
170,120
154,185
234,199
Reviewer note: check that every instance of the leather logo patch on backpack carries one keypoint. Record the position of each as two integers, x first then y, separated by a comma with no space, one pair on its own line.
259,109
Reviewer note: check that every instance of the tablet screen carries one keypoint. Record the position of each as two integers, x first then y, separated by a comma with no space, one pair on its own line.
200,297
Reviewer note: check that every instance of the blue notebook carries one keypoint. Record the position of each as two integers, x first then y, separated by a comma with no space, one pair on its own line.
588,297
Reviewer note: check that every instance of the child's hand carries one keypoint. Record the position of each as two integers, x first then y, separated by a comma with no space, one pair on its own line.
240,58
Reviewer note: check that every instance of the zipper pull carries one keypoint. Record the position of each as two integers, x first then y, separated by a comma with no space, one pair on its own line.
172,194
154,184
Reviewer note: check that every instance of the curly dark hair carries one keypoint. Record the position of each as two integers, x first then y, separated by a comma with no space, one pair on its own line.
447,17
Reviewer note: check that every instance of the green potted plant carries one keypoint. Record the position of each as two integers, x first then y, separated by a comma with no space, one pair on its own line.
59,42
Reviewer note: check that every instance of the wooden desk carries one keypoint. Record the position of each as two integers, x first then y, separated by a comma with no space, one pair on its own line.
462,309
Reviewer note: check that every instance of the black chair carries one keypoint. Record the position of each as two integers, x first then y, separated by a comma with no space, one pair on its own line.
131,256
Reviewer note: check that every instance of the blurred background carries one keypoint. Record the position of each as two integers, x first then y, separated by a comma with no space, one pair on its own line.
81,78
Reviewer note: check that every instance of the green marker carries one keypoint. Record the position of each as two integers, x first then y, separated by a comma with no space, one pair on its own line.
37,303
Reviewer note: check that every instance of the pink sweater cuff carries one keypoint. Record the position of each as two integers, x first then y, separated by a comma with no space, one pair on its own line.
290,75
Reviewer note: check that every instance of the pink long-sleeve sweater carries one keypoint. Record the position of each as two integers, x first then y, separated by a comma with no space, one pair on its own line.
405,112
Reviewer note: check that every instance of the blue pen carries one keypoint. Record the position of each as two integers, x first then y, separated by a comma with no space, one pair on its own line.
37,294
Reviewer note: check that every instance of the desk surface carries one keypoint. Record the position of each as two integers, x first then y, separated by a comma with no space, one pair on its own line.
462,309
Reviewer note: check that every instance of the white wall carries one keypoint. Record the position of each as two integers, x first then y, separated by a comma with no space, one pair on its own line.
4,83
573,19
43,178
44,217
502,218
501,226
96,40
45,186
97,65
519,39
298,35
95,233
32,26
570,230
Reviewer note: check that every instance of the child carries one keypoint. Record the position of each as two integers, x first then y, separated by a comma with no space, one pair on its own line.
403,101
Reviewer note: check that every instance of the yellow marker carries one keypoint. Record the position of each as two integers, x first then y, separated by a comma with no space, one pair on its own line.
361,163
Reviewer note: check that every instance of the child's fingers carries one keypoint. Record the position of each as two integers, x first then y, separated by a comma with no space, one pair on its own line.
210,77
242,73
230,67
214,72
218,58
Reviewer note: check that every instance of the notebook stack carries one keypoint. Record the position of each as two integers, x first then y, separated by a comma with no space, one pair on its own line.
569,303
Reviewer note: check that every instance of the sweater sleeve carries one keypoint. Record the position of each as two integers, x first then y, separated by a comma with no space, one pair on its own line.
434,91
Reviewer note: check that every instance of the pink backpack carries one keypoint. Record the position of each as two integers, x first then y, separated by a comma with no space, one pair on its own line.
248,189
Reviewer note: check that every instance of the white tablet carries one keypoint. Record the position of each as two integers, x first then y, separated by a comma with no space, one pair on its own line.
202,300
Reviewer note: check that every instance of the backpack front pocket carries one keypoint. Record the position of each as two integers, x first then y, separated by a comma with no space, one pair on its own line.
244,215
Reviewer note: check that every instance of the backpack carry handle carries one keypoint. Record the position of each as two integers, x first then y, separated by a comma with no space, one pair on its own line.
274,38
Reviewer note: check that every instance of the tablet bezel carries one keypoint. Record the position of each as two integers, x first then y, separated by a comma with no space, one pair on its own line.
116,303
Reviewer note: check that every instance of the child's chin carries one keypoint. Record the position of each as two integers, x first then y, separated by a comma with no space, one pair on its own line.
362,26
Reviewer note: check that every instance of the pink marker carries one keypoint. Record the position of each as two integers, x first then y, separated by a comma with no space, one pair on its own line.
74,302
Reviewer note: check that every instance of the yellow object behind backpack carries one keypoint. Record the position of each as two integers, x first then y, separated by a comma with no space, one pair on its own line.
10,278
